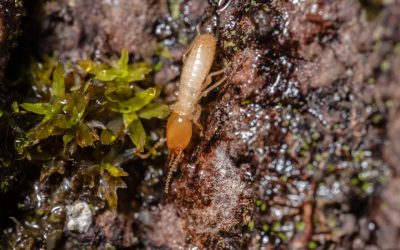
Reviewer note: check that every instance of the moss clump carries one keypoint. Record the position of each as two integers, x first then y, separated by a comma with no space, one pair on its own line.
87,107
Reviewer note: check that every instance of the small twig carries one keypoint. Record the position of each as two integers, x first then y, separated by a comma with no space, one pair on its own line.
308,212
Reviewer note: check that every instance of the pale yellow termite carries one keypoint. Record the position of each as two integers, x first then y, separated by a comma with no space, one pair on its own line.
194,84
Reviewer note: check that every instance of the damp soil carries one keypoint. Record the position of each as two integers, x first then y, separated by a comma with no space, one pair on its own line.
300,146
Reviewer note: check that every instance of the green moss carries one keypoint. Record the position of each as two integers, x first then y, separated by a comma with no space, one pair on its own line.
312,245
396,49
263,207
300,225
346,148
174,8
385,66
366,187
331,168
251,225
265,228
359,156
163,51
90,105
315,136
355,181
276,226
245,102
371,81
3,186
376,119
318,157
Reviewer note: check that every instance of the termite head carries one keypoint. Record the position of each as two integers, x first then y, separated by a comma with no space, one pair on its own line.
179,132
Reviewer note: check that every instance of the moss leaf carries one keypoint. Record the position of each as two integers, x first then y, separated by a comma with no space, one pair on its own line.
121,72
76,106
137,72
45,109
107,75
114,170
123,60
154,110
58,88
137,134
61,121
91,67
129,118
107,137
85,137
68,137
107,189
135,103
41,131
141,99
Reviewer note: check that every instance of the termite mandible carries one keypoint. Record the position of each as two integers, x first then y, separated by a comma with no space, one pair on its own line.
194,84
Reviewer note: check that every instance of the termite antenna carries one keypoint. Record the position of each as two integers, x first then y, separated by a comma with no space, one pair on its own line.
198,29
170,159
156,146
173,162
159,143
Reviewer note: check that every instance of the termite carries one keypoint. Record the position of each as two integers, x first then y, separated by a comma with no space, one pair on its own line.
194,84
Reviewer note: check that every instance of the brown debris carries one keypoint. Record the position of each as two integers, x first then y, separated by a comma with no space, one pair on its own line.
326,57
166,228
69,22
116,228
388,217
208,199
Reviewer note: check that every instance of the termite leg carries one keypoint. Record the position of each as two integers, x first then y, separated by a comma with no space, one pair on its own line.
209,78
174,160
142,155
196,117
213,86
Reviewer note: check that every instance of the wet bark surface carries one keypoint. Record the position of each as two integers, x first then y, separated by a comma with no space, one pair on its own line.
301,143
